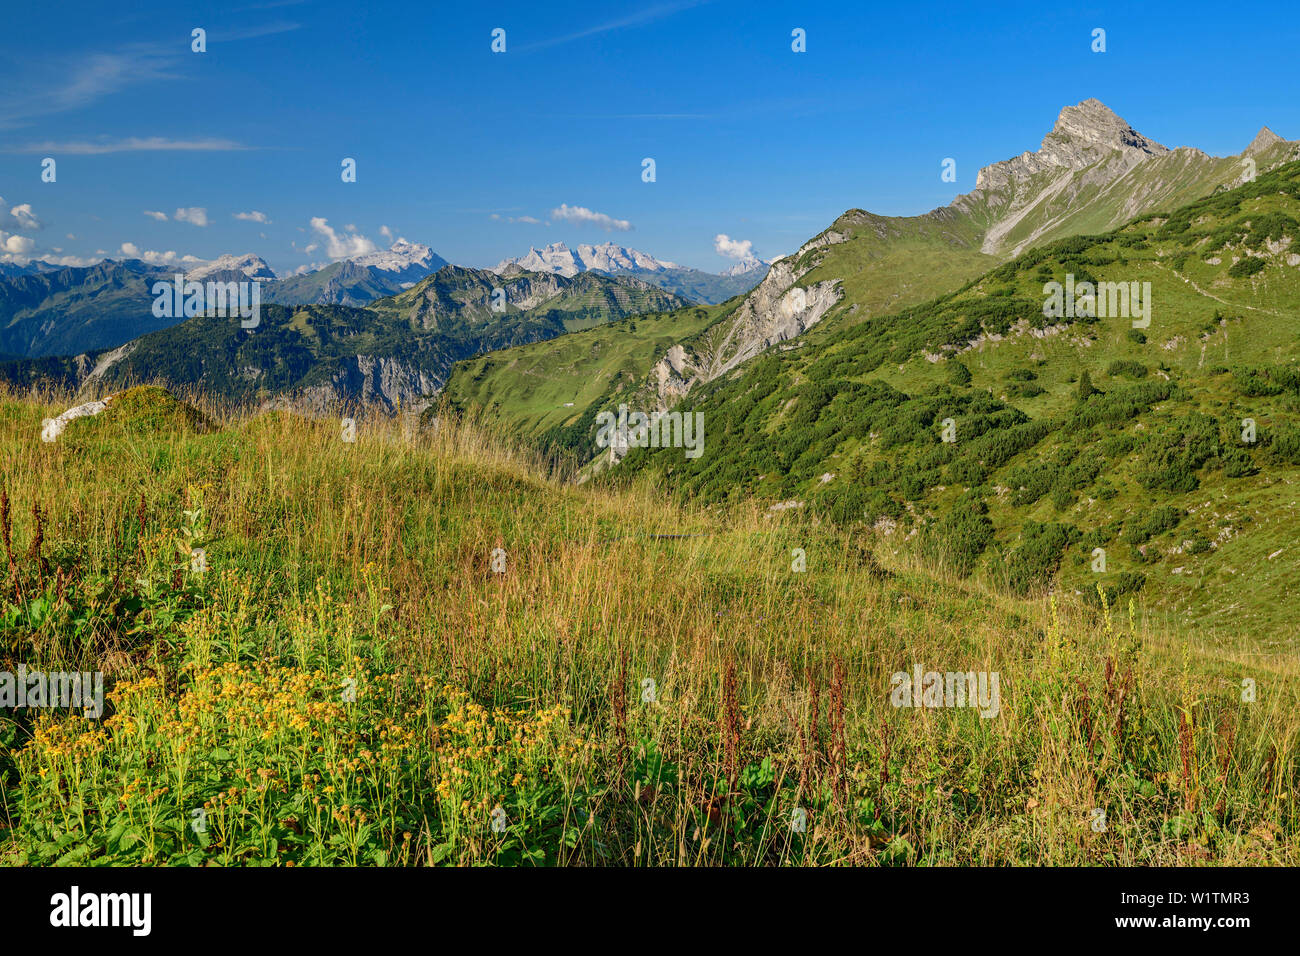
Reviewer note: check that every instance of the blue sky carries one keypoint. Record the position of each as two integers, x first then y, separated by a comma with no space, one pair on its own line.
453,142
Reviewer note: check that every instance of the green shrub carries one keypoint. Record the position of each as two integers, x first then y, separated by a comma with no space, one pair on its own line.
1157,521
1246,266
960,536
1128,369
1039,555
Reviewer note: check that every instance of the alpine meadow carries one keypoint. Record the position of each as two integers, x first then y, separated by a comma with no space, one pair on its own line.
812,537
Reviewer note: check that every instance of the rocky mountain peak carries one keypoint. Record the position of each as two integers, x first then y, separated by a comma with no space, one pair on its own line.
1084,134
1262,141
608,257
252,266
1092,122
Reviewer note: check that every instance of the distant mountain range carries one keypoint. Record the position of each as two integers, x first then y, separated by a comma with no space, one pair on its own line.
59,310
47,309
396,352
613,259
10,269
361,279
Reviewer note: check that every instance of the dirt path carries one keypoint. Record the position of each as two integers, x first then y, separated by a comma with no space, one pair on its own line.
1211,295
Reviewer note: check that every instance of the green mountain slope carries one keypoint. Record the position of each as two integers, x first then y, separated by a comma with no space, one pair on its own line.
562,379
1092,172
1070,434
78,309
455,299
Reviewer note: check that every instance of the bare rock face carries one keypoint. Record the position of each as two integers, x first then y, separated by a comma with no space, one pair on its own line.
1089,147
1083,135
776,310
370,381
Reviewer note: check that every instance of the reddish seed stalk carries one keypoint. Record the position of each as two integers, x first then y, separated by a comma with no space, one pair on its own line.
839,745
6,529
731,724
1185,744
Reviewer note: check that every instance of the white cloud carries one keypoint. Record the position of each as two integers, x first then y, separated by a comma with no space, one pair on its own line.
582,216
254,216
724,245
131,251
339,246
81,261
16,245
525,219
155,214
24,216
311,247
20,217
386,233
193,214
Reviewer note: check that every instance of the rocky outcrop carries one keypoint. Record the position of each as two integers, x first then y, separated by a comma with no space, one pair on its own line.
777,310
373,382
52,428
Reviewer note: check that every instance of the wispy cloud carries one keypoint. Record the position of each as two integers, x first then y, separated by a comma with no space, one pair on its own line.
132,144
71,82
76,80
252,32
640,18
254,216
582,216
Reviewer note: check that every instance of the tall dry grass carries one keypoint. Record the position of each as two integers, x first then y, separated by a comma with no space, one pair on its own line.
644,683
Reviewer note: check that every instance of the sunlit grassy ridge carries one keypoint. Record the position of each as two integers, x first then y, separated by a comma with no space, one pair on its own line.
350,681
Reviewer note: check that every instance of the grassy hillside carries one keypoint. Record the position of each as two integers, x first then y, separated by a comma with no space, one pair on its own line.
1071,435
346,679
882,262
551,389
